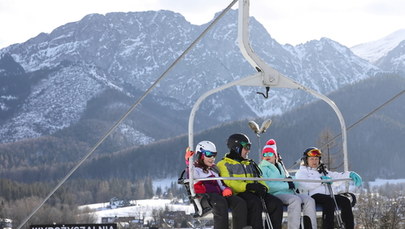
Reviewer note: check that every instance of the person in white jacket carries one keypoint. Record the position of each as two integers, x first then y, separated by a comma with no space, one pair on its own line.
313,169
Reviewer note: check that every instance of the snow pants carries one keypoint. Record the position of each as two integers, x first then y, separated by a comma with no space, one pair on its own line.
296,202
220,206
255,209
328,206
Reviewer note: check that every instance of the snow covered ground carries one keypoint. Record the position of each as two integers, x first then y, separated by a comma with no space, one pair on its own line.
138,209
144,208
382,182
141,208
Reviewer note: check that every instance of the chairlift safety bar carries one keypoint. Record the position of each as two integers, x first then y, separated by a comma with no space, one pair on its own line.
270,179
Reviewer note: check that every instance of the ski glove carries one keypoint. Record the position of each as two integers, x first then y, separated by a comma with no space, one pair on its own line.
356,179
227,192
188,154
199,188
291,184
326,178
257,188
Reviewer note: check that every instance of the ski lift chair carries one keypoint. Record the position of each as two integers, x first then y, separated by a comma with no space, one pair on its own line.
265,77
200,201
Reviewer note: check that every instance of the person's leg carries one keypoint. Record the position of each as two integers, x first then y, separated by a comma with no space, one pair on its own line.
309,210
293,203
239,211
220,210
275,209
254,209
346,211
328,208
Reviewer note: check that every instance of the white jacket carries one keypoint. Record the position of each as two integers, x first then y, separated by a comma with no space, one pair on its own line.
312,188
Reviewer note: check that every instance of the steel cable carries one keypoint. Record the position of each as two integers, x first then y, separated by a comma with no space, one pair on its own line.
128,112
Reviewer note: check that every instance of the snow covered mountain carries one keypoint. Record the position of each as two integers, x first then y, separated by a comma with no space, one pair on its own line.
394,60
375,50
72,73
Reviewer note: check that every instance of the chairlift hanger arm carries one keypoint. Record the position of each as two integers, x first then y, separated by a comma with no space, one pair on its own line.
266,77
271,77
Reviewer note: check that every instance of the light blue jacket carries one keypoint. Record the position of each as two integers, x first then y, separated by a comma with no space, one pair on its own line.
270,171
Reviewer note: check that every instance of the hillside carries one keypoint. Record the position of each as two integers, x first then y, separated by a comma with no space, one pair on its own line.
296,130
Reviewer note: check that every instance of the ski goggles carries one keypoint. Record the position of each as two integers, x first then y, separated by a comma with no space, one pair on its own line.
268,154
209,154
314,153
246,145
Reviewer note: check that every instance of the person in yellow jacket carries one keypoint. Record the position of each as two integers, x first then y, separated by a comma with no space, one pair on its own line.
236,164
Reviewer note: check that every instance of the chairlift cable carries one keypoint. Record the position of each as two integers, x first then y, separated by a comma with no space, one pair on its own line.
108,133
361,119
367,115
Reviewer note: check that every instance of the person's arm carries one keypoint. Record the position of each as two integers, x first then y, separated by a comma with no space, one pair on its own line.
304,173
274,186
338,175
235,185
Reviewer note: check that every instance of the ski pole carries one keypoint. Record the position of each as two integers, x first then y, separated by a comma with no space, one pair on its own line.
266,214
280,159
337,210
287,174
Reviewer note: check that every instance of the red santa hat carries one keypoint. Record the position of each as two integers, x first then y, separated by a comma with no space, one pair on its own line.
270,147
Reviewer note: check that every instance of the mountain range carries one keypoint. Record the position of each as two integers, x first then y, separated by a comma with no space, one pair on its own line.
373,51
71,85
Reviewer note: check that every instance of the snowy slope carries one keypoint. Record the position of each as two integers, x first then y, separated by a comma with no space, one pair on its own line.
374,50
138,208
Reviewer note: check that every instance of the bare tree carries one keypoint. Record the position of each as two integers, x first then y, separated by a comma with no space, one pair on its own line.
327,146
368,209
60,213
375,209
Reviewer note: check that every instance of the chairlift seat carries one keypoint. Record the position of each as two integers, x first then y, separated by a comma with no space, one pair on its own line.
201,199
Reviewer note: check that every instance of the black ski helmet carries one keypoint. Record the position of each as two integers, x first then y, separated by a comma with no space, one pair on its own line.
235,142
311,152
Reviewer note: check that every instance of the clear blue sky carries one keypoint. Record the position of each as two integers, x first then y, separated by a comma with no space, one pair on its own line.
348,22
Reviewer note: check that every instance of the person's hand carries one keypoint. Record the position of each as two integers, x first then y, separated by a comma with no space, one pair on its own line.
199,188
291,185
326,178
356,179
227,192
188,154
257,188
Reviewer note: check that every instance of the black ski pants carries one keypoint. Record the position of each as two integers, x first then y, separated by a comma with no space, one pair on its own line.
328,209
220,206
255,209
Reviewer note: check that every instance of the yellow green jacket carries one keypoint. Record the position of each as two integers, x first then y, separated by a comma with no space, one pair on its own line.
232,168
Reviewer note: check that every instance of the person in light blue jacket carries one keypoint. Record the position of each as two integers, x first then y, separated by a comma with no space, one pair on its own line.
272,167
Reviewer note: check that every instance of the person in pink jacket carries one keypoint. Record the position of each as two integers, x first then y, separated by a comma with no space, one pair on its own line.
313,169
220,197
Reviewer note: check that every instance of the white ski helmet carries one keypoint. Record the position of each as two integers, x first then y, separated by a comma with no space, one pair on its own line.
205,146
